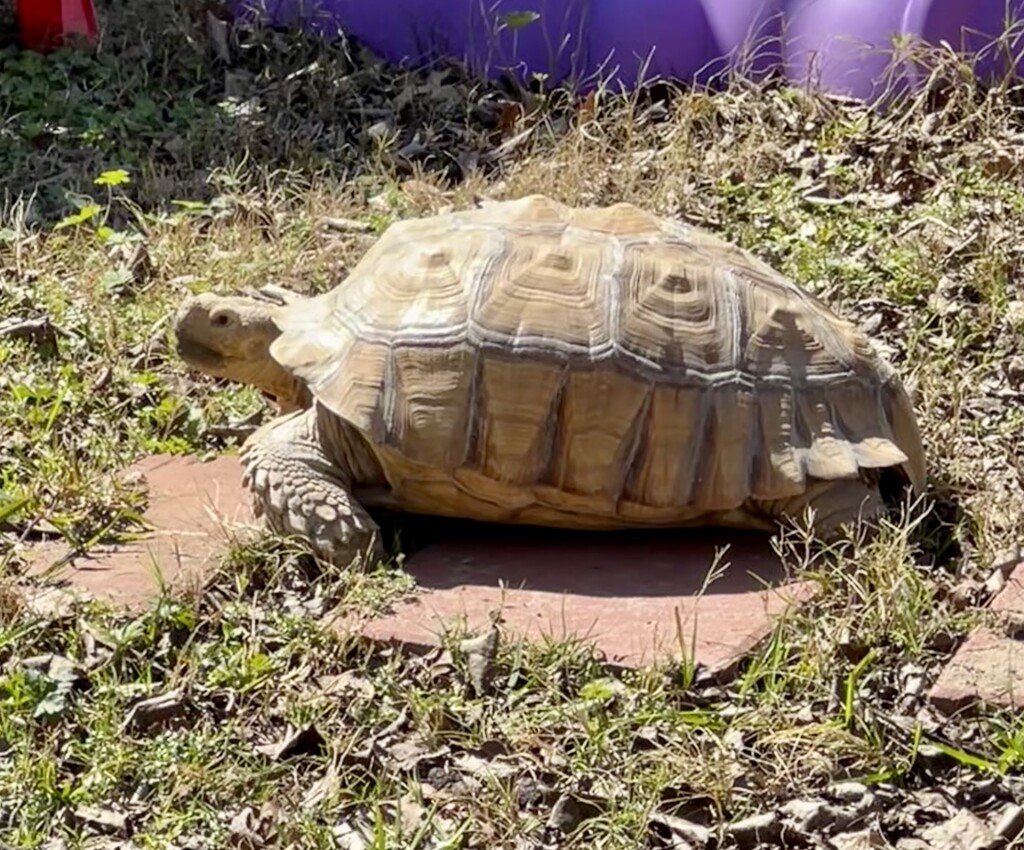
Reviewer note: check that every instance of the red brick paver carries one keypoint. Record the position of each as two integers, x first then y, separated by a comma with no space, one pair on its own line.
194,507
988,669
634,597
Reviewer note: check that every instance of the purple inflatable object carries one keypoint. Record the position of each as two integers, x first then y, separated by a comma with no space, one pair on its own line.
841,46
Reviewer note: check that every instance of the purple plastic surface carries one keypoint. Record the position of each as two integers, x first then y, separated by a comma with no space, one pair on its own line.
970,28
842,46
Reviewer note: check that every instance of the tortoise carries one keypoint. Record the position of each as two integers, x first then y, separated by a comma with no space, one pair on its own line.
529,362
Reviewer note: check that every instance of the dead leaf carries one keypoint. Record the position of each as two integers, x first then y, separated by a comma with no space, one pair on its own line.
250,830
322,789
411,756
672,828
476,767
509,114
587,108
348,682
411,814
298,742
101,819
480,655
102,381
55,603
569,812
239,429
39,332
134,261
217,34
866,839
352,836
156,711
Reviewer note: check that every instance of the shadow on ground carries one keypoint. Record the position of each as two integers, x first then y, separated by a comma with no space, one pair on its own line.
669,562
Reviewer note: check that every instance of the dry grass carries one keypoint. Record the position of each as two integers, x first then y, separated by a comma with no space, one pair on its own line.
911,222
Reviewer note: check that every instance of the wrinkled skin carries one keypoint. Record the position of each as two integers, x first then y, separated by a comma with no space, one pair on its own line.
301,467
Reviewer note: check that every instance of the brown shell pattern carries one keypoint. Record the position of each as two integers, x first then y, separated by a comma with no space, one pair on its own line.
595,359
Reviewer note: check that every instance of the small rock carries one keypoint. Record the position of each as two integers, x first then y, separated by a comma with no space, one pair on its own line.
379,130
872,324
941,641
964,831
754,830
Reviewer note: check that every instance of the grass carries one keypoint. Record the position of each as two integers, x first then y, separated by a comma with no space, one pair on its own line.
153,169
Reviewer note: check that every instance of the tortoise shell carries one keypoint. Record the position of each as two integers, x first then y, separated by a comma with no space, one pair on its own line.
532,360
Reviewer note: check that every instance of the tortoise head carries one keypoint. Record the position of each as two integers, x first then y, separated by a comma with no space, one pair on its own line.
229,336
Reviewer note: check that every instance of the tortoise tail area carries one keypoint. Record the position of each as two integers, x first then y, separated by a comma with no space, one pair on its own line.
714,449
906,430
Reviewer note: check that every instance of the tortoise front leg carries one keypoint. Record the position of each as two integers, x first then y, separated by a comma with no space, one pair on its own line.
298,490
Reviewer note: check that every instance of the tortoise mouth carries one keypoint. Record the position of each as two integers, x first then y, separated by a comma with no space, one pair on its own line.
198,355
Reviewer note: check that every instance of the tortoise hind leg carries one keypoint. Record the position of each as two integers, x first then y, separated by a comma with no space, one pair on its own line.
835,503
300,491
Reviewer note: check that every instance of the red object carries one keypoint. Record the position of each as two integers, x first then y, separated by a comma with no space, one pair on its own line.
46,24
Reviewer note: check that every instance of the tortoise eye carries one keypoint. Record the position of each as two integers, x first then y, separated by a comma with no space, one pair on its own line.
220,318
